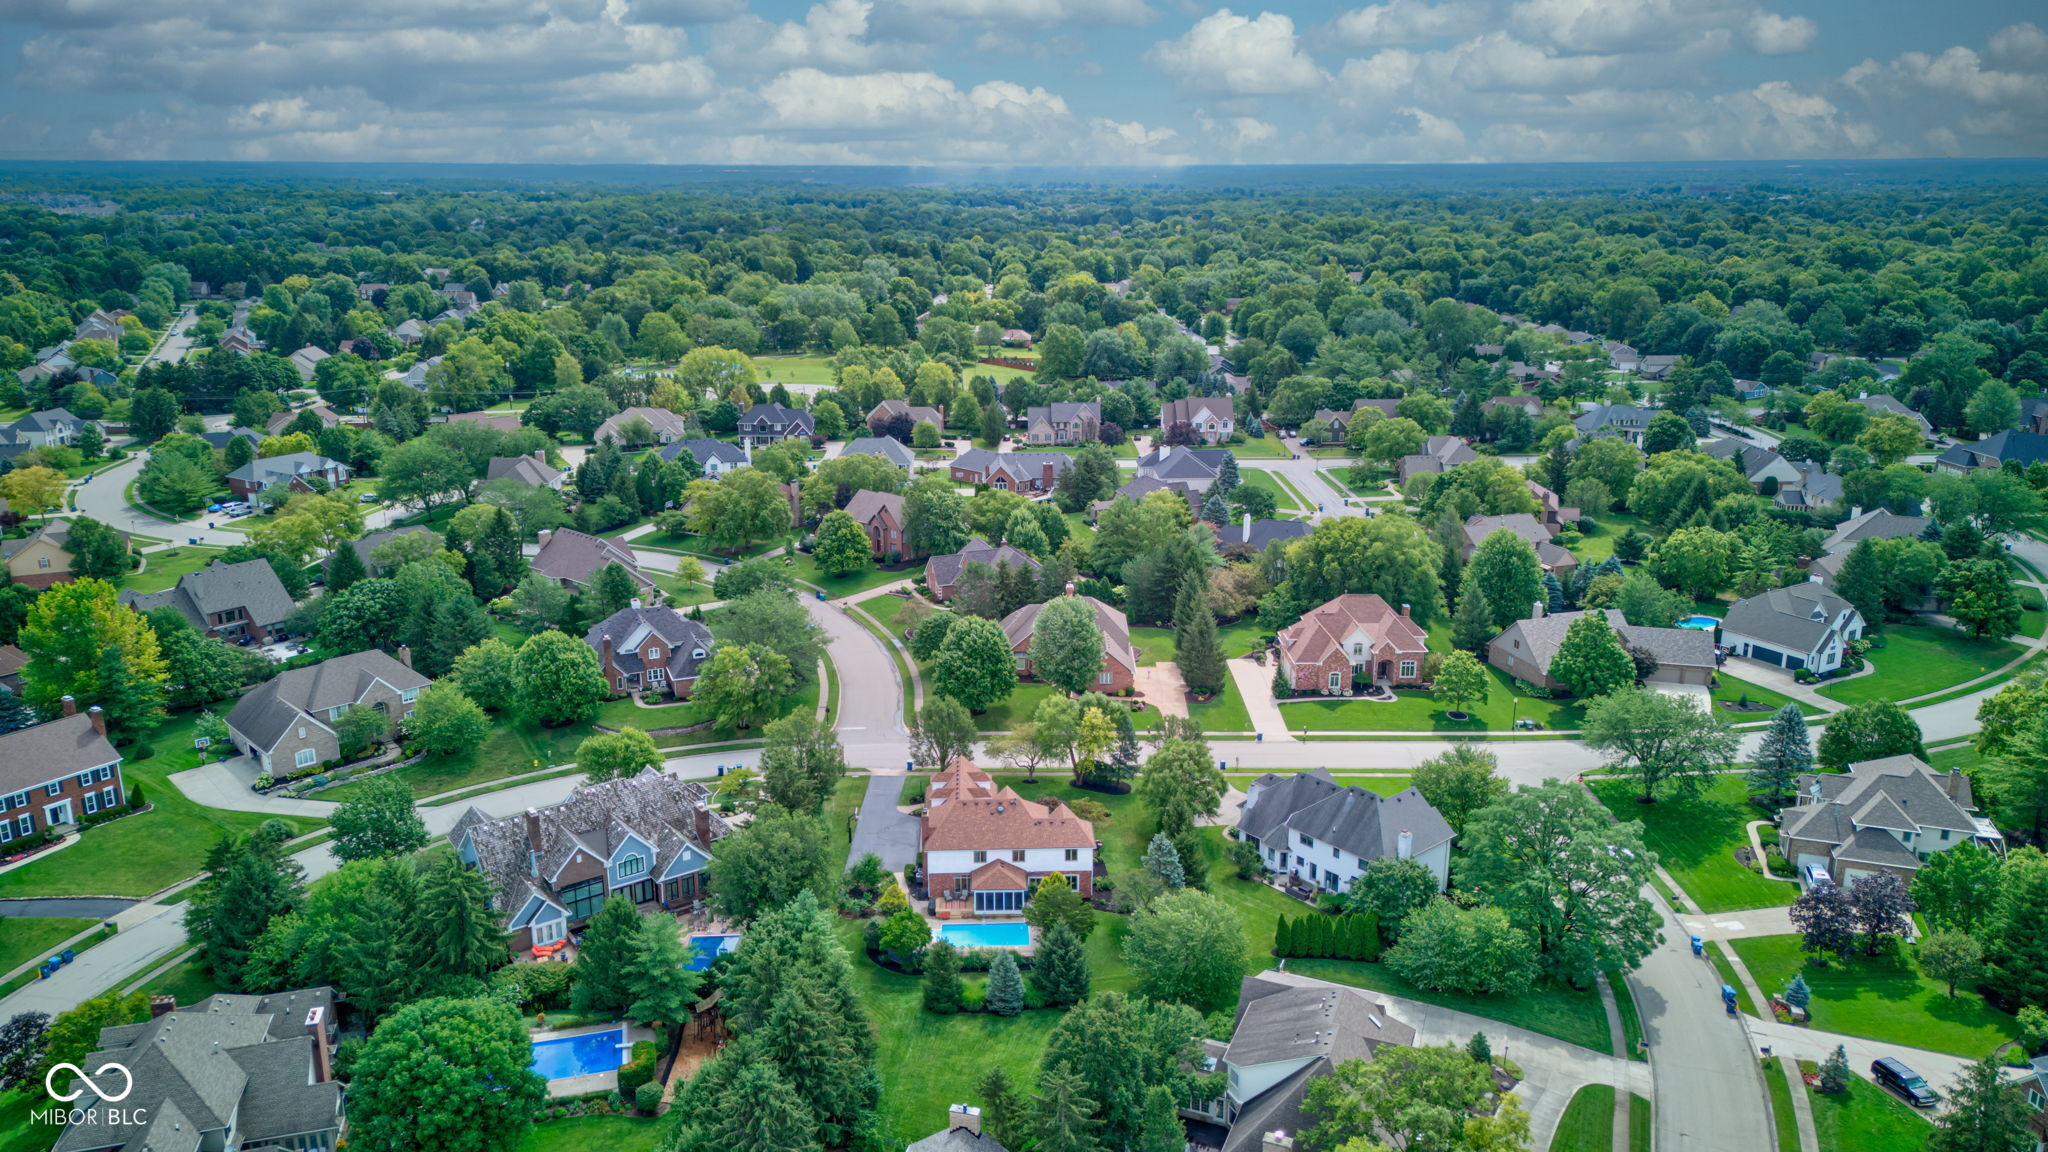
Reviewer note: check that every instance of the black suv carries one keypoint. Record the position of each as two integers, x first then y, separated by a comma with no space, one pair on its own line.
1907,1083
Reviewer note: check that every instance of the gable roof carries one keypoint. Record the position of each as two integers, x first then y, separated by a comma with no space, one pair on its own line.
1170,463
916,412
662,421
267,711
887,447
985,462
1285,1018
1190,407
1262,533
1679,647
1884,403
251,585
1898,793
1614,415
771,413
967,810
1876,524
1020,626
1323,629
706,450
683,637
867,503
1798,617
944,571
264,472
2026,447
43,752
533,471
566,554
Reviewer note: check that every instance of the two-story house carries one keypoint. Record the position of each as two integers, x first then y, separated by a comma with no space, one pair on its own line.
1119,658
768,423
1889,815
1555,558
1308,826
1192,468
1211,418
880,515
1354,635
236,602
1289,1031
984,848
286,724
900,415
228,1074
1439,454
1624,420
1063,422
43,557
648,838
574,559
54,774
51,426
942,573
1804,626
656,649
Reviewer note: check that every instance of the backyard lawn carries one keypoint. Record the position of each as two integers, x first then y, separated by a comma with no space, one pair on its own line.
594,1134
1695,840
137,855
1598,534
1574,1017
1865,1118
1418,711
34,937
1881,998
1918,659
163,567
1156,645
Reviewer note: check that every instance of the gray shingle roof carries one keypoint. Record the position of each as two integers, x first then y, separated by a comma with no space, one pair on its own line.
682,635
944,571
1167,463
957,1140
1914,791
533,470
887,447
1263,533
1795,618
368,543
1876,524
251,585
1677,647
2026,447
264,473
577,557
705,450
264,714
1354,819
1273,1008
43,752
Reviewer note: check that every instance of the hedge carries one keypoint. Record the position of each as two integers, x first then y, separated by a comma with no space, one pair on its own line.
1329,937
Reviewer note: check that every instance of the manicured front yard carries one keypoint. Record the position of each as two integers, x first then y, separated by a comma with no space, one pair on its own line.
163,567
806,569
1918,659
593,1134
139,854
1865,1118
511,748
188,983
1588,1121
1263,448
1695,839
1729,690
1156,645
1284,497
26,938
18,1133
1574,1017
1419,711
1599,532
1223,712
1783,1119
1881,998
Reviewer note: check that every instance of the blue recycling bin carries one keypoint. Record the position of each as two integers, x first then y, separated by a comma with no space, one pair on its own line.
69,955
1699,946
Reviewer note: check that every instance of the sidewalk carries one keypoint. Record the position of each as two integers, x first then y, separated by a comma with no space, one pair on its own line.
105,965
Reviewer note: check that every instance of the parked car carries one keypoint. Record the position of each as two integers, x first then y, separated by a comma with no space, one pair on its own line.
1817,875
237,508
1890,1073
216,506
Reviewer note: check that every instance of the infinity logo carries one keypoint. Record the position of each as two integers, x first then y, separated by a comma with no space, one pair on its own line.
50,1083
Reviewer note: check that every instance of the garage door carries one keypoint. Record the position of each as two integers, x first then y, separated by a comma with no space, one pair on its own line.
1767,655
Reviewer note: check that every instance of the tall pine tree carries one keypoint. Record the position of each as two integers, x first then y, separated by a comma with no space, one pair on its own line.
1472,624
663,987
1199,652
605,958
344,568
1784,753
1060,972
1005,985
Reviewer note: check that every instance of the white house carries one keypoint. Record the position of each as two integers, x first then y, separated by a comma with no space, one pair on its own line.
1212,417
1804,626
1308,826
985,847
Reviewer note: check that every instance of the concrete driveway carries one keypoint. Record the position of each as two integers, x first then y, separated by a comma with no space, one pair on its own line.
883,830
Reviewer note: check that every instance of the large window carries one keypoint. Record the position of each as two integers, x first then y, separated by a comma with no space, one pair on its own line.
633,865
1007,901
305,758
639,893
584,899
549,931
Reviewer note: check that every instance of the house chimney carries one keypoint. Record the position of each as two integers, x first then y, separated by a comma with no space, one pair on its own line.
1165,450
545,535
1070,592
1404,611
99,719
1404,845
700,819
1276,1141
1535,609
162,1006
1855,510
636,603
606,644
1955,784
1247,527
405,655
316,1027
964,1116
532,830
70,705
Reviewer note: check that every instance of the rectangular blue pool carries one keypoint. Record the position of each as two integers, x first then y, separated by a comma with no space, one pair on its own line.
583,1055
994,934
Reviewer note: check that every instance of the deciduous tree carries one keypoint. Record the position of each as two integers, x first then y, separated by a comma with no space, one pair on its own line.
379,820
1459,782
1654,738
1066,644
448,1074
617,755
975,665
1187,947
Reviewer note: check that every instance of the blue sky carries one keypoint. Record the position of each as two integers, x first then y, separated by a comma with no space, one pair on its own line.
1113,82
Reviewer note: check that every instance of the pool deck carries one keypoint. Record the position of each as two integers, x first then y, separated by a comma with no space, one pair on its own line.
594,1082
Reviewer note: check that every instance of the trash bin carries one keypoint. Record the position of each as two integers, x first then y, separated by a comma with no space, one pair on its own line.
1699,946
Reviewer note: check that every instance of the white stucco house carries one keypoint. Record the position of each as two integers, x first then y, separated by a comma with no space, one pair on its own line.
1309,826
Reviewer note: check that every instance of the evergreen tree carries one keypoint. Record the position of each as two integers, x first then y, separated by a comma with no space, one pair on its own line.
1060,973
991,425
612,590
740,1103
1214,510
1472,624
1479,1048
1002,1107
344,568
1159,1125
942,990
15,715
1797,994
1834,1071
1063,1119
1784,753
459,928
1199,651
249,887
1984,1114
1283,937
823,1065
663,987
380,971
610,939
1005,985
1227,476
1163,862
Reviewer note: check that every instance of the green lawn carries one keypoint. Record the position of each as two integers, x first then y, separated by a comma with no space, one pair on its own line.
166,565
1284,497
1574,1017
682,593
1157,646
1124,451
1918,659
1695,839
1725,968
2032,616
1588,1121
1631,1021
594,1134
1640,1123
17,1132
1598,533
1865,1118
886,609
1419,711
1881,998
775,370
1729,690
806,569
137,855
1223,712
1783,1119
510,749
1263,448
29,938
188,983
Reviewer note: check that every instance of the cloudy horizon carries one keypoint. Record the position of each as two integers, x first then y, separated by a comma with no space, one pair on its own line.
1061,82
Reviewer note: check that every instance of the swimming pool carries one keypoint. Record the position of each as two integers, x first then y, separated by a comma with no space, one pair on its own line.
1701,623
995,934
705,949
583,1055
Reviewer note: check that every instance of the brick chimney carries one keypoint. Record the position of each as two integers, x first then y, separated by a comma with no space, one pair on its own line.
1276,1141
532,830
70,705
405,655
162,1006
316,1027
1404,611
965,1116
605,650
99,719
700,819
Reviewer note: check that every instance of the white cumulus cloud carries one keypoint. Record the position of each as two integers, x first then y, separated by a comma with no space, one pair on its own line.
1246,55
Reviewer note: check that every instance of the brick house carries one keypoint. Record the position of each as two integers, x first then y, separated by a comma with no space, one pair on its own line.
1213,418
1063,422
1119,659
279,421
294,469
983,848
880,417
43,557
285,723
1887,815
880,515
1552,510
657,649
236,602
1358,634
55,774
942,573
646,837
1525,649
1026,472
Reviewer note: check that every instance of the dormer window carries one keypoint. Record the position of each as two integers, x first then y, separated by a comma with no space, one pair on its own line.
696,654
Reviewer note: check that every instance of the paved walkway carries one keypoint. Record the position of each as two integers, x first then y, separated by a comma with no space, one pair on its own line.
103,966
1254,684
1617,1040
